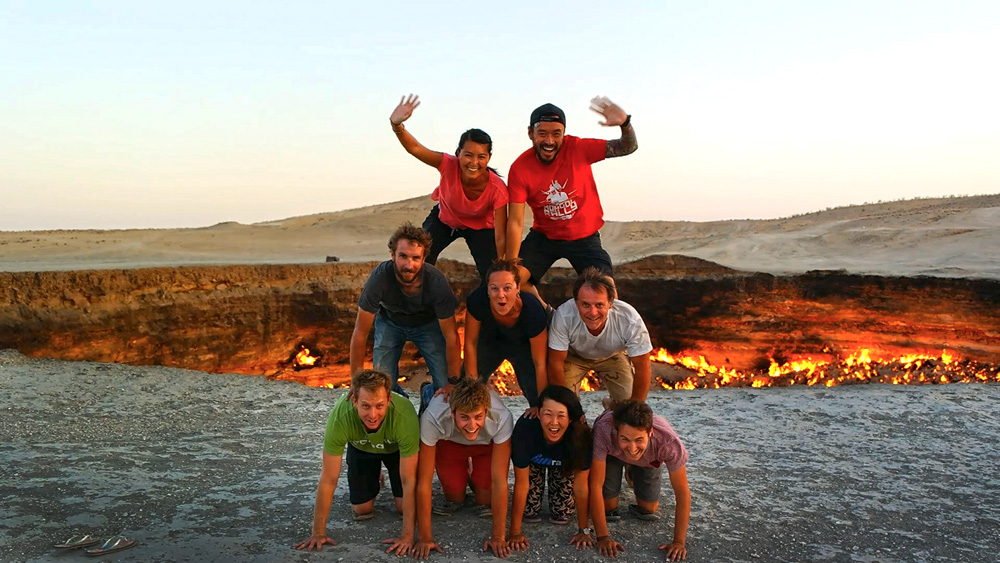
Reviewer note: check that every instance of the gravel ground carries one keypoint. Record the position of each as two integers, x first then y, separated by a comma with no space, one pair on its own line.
207,467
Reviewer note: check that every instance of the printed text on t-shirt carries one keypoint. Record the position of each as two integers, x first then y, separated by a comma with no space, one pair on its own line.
559,206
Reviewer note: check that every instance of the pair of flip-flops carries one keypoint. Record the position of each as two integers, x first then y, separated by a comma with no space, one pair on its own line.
111,545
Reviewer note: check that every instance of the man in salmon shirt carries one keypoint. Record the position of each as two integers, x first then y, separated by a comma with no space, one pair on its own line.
555,179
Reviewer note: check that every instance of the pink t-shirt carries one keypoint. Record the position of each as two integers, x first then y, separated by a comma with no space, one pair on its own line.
664,449
457,210
562,194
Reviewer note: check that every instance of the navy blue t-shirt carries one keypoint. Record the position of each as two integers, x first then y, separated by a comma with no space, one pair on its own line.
528,446
529,324
382,295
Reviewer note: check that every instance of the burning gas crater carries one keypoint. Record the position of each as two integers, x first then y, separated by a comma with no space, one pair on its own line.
859,367
695,372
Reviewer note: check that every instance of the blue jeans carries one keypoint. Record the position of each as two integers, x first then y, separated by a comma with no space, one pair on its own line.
389,340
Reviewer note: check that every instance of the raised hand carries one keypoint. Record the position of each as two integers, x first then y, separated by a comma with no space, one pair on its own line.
315,542
405,109
613,115
675,551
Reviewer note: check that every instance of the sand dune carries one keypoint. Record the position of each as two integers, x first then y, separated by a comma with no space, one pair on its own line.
939,237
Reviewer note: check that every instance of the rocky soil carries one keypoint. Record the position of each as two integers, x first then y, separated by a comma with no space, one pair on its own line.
223,467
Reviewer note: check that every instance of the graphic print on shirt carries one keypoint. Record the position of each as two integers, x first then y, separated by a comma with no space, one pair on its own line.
540,459
377,446
559,206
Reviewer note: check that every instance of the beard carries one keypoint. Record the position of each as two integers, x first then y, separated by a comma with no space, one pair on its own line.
406,276
542,159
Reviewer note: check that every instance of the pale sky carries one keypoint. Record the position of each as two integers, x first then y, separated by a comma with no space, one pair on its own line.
179,114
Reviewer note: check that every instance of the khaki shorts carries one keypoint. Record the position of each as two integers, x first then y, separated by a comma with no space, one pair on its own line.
614,373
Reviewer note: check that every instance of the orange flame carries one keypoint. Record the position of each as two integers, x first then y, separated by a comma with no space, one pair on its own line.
305,358
505,380
859,367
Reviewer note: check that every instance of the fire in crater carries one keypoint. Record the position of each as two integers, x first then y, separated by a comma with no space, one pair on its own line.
863,366
305,358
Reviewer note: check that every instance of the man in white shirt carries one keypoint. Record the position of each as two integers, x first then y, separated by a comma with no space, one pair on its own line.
473,425
596,331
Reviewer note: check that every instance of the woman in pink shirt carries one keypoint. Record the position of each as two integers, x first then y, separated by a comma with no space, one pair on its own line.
472,199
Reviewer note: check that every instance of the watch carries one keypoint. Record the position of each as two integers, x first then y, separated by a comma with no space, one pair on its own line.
585,531
454,380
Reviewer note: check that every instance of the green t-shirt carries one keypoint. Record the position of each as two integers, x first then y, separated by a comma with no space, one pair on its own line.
399,431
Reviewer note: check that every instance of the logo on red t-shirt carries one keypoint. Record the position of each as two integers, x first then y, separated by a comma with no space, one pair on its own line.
559,206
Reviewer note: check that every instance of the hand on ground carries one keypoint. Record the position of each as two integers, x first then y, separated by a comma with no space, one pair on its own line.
315,542
399,546
675,551
609,547
517,542
422,549
499,547
582,541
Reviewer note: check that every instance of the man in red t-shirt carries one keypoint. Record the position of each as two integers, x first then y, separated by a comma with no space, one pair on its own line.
554,178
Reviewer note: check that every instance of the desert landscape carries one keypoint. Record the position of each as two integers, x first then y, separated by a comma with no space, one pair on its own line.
938,237
142,371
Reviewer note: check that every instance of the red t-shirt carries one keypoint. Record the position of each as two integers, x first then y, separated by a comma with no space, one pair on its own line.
562,194
457,210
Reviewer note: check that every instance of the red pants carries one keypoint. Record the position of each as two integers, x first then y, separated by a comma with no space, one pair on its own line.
452,463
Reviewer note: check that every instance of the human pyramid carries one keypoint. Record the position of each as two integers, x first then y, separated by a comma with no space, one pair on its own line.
464,432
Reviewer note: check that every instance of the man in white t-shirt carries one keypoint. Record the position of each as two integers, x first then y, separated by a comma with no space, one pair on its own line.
473,425
595,331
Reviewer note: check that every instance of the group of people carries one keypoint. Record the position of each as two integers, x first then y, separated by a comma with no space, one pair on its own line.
463,431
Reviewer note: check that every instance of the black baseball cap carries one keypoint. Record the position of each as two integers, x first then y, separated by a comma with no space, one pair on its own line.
547,112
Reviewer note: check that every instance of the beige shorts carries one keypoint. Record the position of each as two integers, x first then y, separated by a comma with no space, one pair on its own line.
614,373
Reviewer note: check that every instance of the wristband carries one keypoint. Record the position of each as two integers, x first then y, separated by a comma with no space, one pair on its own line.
627,122
602,538
454,380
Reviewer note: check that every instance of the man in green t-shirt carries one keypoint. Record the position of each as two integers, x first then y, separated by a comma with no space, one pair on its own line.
376,427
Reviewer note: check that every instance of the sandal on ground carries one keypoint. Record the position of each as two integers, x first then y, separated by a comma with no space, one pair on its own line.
559,520
484,511
531,518
612,515
77,542
446,507
363,517
117,543
642,514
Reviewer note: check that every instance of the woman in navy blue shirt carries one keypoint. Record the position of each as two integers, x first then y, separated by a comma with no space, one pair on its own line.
557,443
502,323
